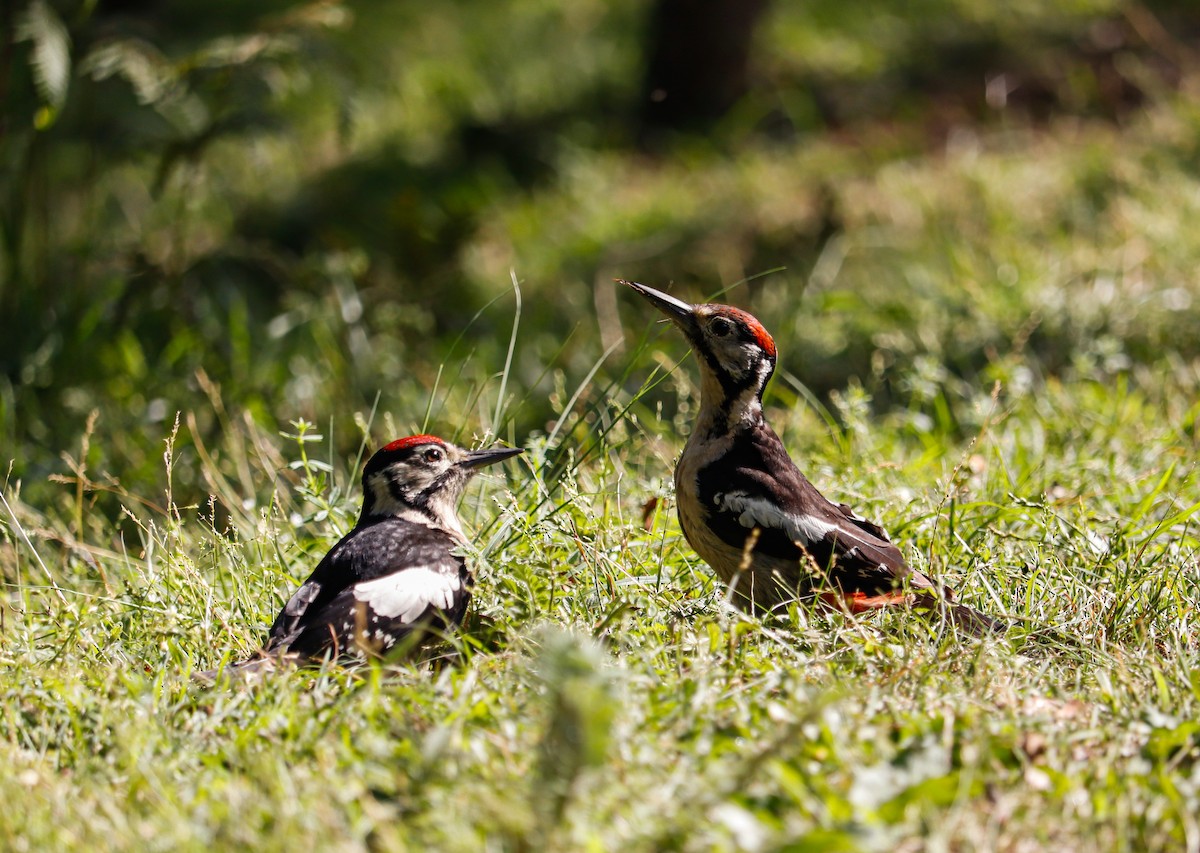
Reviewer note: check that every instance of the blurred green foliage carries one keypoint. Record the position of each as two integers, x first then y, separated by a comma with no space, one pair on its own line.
292,210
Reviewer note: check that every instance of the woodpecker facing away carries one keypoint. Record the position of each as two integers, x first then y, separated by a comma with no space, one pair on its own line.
749,512
396,573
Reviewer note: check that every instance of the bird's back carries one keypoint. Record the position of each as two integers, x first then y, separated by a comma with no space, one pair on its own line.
384,579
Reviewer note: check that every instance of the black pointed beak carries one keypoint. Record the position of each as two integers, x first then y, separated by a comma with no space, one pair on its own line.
678,311
480,458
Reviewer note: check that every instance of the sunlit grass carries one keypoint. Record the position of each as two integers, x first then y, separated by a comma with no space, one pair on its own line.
601,692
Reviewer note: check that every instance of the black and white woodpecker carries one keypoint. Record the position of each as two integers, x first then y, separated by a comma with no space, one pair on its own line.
398,571
749,512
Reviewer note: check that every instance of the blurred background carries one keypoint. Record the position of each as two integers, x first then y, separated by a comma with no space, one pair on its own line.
254,213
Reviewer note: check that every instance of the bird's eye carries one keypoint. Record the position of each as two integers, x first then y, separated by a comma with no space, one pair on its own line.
432,455
721,327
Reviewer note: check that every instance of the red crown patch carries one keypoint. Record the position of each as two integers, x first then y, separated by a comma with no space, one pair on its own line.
413,441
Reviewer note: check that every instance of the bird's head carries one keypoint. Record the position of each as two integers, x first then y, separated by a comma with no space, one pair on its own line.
736,354
425,475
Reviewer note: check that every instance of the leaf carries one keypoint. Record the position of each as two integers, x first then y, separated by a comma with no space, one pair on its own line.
921,773
141,64
930,794
1174,743
51,60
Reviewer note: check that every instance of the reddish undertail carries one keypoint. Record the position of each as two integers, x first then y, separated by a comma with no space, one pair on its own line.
860,602
967,618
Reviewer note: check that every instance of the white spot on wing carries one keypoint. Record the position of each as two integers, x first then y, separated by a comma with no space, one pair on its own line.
405,595
757,512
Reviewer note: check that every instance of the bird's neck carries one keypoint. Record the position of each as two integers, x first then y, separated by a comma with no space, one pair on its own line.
441,509
437,511
727,407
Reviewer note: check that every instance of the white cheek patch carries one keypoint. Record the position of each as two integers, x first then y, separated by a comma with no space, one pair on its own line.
744,359
757,512
406,595
385,502
735,360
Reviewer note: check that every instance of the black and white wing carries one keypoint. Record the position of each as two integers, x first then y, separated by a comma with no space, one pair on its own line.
372,589
374,616
759,488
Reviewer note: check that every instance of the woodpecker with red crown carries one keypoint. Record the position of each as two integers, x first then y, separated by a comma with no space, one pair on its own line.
749,512
396,574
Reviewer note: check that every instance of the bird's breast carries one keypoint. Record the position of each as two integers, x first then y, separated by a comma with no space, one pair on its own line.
693,514
759,579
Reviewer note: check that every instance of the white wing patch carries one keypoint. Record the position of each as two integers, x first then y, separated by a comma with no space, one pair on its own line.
757,512
405,595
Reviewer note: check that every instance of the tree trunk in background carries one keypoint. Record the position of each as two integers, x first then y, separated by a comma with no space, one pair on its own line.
698,56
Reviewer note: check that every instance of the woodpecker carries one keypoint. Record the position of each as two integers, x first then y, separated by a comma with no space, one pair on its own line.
752,515
396,573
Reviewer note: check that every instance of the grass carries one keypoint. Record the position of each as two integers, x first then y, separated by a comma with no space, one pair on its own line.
988,344
603,697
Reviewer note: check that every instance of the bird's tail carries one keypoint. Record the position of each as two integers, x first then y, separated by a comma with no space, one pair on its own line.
974,622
